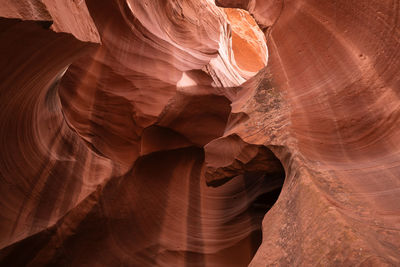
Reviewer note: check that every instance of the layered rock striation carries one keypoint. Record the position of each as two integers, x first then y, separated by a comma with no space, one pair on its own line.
161,133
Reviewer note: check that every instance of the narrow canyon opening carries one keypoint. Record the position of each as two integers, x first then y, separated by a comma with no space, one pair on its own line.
248,40
251,168
260,206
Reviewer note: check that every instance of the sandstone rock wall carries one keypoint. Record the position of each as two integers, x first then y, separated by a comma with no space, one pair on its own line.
160,133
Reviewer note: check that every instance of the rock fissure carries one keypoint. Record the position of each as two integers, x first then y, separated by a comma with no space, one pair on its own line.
166,133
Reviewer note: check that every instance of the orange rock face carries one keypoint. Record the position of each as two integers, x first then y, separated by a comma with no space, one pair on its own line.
166,133
248,41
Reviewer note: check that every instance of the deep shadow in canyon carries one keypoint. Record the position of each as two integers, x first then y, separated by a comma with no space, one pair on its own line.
175,136
136,216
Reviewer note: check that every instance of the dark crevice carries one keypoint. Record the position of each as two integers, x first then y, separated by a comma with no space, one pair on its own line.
264,171
260,206
267,200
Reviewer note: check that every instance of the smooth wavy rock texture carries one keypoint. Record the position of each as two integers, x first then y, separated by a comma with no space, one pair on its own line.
167,133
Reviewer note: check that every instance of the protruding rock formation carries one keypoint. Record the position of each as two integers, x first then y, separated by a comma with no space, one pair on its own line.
160,133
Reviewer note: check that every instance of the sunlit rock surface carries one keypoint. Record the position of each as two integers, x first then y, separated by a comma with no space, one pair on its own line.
161,133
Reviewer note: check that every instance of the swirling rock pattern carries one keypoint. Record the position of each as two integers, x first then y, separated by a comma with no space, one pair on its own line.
336,66
160,133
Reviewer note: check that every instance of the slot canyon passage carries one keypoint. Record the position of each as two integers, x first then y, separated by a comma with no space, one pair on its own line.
200,133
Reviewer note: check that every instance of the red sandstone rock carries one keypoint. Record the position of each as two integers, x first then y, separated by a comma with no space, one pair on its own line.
340,201
139,133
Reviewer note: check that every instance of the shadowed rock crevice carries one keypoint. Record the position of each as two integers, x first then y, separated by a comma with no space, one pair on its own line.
152,203
169,140
230,156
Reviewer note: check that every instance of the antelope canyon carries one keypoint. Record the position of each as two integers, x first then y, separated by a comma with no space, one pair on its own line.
200,133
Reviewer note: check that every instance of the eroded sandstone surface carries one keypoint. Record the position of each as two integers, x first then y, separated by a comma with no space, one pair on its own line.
194,133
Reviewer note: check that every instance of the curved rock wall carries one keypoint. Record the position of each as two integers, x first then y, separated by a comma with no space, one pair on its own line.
336,65
46,169
150,133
